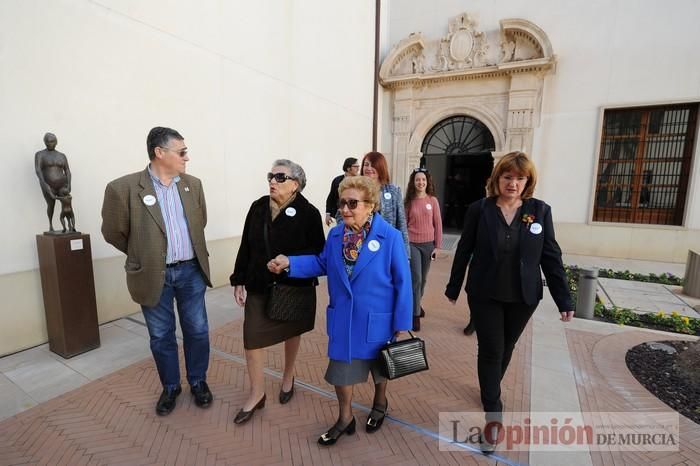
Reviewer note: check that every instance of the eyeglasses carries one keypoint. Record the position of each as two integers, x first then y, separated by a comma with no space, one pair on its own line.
351,203
181,152
278,177
420,170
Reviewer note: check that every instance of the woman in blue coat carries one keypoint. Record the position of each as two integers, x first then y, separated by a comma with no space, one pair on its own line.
369,284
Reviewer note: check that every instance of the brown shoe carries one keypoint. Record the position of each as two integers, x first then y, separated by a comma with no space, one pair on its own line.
416,323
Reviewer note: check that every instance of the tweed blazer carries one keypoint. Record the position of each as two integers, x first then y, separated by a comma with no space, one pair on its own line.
138,230
393,211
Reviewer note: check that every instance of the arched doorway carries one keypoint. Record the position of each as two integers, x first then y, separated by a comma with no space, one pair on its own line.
457,151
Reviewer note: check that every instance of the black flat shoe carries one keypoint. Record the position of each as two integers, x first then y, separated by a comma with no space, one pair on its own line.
374,422
202,394
416,323
286,396
469,329
244,416
422,312
334,433
166,402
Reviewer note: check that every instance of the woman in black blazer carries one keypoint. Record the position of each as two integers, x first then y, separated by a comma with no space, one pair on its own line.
508,238
294,227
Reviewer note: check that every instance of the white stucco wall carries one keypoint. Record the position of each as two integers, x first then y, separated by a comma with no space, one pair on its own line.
244,82
609,54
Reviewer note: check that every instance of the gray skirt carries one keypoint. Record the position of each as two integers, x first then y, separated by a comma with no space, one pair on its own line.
356,371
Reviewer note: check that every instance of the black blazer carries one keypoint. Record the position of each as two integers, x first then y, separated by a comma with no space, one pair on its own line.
537,251
332,199
297,234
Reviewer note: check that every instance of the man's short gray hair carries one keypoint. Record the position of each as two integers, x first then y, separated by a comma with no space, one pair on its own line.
295,171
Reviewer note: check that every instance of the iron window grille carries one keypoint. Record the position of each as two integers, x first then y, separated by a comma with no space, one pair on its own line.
644,164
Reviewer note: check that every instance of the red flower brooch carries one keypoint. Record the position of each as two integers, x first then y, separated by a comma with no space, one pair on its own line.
528,219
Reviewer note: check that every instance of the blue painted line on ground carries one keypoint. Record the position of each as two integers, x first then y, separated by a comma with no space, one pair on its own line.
319,391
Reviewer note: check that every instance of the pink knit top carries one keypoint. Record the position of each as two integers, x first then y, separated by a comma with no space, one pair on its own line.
424,221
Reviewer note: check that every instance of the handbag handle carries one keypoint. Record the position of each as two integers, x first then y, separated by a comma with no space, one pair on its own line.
393,338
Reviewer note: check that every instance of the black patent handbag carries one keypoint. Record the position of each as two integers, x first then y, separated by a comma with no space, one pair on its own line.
405,357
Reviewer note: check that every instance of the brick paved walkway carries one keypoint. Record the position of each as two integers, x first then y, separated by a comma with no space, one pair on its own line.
112,420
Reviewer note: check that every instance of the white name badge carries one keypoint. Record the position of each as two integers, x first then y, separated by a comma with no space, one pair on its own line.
429,207
387,196
535,228
149,200
373,245
290,211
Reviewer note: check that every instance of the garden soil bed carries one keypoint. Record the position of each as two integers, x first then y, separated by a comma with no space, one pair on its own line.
665,375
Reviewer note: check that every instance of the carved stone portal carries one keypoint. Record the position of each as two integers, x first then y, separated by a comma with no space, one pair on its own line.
495,76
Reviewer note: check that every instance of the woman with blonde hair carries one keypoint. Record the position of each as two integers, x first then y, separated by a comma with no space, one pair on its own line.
508,240
369,286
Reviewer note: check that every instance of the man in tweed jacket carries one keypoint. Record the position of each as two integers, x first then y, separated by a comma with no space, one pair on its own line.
157,218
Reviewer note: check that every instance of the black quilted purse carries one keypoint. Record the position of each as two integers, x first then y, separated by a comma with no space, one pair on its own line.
405,357
286,302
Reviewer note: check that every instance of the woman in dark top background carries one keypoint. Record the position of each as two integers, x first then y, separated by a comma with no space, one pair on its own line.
509,237
294,228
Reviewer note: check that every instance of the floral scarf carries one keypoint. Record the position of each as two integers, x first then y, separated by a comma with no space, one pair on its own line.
352,244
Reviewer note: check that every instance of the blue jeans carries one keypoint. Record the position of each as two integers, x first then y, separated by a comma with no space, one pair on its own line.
184,283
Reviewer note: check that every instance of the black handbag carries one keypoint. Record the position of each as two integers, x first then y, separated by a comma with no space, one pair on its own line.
405,357
286,302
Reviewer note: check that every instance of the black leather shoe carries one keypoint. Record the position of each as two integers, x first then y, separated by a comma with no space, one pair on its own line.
286,396
244,416
416,323
166,402
422,312
334,433
469,329
375,421
202,394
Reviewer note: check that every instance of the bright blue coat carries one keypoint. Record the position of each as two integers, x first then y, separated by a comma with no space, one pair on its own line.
366,308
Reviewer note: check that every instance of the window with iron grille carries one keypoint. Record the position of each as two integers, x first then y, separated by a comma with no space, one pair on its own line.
644,164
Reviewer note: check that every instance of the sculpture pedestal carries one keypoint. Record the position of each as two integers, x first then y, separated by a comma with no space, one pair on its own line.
68,285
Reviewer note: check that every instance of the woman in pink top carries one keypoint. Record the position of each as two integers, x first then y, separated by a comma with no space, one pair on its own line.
424,233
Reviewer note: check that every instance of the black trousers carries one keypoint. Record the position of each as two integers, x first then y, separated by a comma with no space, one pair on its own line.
498,326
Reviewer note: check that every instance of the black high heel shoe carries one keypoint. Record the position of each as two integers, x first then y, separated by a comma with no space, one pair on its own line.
375,422
286,396
334,433
244,416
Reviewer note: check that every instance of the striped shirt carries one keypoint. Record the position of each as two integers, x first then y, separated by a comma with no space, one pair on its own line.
176,231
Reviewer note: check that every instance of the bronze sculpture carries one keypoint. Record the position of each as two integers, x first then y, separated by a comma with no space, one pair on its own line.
54,178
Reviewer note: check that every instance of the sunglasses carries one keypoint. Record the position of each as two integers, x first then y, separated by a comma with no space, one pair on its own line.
181,153
420,170
278,177
351,203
